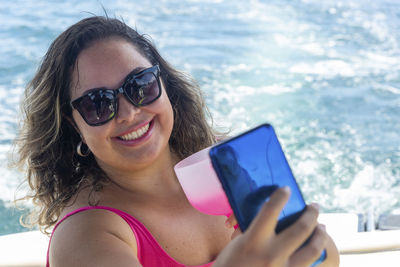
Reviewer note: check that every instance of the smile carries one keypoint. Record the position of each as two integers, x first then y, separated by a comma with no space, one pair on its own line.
136,134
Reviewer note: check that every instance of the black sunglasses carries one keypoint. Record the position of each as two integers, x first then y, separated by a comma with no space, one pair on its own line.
100,105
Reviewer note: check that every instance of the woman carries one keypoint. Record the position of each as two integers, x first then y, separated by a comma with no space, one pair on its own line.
106,119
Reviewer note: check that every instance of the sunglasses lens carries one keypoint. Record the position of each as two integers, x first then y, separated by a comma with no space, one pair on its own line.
142,89
97,107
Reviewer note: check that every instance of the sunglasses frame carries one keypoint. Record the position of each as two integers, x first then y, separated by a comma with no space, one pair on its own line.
155,70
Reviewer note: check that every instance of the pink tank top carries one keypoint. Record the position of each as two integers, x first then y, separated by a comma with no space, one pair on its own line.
150,253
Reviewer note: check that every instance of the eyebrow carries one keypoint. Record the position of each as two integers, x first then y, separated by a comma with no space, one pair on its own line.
134,71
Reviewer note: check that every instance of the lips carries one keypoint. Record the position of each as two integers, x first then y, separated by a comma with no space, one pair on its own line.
135,134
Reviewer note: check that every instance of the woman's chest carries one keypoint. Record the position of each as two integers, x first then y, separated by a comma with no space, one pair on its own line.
192,239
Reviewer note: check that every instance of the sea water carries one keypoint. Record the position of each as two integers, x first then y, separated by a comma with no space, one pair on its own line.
326,74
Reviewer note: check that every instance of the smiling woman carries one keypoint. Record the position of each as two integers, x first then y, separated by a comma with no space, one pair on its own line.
47,102
105,120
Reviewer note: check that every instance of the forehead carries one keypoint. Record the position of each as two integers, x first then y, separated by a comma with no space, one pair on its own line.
105,64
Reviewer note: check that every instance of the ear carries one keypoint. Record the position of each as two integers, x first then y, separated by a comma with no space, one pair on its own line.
72,122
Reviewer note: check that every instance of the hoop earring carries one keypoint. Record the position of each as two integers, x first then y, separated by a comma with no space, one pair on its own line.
79,150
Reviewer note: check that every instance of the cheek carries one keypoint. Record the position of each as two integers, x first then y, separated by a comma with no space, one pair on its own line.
88,133
167,109
163,110
77,122
164,100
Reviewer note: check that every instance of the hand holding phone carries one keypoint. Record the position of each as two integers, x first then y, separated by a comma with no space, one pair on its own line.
261,246
251,167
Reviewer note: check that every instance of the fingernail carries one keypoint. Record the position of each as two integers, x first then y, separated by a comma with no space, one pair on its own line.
228,224
286,189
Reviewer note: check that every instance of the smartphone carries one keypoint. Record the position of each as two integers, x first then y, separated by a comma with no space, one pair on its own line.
250,167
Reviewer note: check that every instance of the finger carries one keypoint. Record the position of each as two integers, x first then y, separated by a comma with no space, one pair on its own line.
266,220
311,252
296,234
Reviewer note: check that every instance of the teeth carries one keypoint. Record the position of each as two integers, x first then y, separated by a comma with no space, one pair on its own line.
136,134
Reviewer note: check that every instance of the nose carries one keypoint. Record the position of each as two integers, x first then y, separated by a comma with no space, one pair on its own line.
126,110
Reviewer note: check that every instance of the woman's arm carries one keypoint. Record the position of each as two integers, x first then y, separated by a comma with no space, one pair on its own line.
93,238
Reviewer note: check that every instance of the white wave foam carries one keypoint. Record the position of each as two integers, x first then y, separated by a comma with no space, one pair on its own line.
372,186
387,88
327,68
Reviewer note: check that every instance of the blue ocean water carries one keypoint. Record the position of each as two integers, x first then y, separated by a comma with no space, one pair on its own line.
326,74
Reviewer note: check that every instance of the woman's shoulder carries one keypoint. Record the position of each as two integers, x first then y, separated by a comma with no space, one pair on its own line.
89,235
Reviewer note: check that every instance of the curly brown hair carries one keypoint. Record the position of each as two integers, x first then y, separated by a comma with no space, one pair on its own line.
47,141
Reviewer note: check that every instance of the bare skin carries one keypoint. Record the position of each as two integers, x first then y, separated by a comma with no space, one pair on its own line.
144,185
